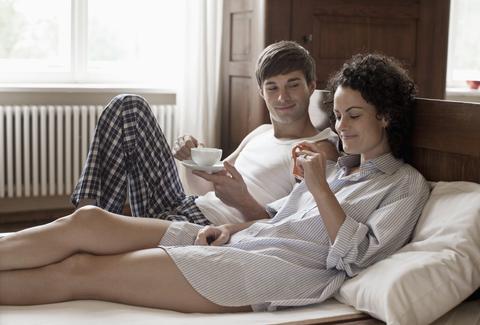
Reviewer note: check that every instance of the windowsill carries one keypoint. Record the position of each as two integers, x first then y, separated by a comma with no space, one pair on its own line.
89,88
80,94
463,95
463,92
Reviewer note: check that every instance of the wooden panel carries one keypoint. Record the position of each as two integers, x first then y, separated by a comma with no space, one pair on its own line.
442,166
387,35
446,140
241,36
278,20
340,30
432,48
368,8
240,107
414,31
447,126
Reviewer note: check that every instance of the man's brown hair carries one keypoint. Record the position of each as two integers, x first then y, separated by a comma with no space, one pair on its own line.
282,58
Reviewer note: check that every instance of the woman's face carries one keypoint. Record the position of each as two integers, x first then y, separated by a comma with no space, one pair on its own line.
357,125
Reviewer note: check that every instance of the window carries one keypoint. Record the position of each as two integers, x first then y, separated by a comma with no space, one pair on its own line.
98,41
464,43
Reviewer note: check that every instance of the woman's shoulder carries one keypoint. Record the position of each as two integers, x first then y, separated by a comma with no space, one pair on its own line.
413,178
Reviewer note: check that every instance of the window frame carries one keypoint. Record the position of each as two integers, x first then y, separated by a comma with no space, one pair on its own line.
76,70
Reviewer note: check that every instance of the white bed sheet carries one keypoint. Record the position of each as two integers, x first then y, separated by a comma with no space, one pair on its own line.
86,312
99,312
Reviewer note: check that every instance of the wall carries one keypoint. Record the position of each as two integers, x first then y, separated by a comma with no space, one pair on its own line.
67,95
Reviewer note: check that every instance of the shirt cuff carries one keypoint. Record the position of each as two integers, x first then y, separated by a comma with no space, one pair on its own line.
345,248
272,208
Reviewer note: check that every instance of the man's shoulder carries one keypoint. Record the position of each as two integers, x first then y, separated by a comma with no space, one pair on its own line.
261,130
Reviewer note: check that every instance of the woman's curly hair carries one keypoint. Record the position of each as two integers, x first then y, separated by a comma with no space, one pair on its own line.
385,84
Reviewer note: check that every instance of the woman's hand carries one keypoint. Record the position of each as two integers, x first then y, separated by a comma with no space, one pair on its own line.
213,236
312,163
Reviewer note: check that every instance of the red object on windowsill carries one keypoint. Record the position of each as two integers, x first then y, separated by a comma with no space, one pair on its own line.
473,84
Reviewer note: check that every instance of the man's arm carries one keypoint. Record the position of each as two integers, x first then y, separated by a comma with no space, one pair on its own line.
232,190
182,151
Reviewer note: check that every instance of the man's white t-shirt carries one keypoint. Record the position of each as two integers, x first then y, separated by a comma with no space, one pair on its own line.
266,165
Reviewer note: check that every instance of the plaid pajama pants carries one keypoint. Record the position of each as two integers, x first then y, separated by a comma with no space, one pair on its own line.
129,151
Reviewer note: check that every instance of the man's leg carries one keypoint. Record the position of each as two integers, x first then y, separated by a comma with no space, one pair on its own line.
88,230
147,278
129,148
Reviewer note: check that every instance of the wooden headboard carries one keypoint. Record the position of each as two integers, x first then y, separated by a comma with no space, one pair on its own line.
446,138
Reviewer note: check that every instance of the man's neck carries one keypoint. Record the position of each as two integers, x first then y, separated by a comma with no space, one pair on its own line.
297,130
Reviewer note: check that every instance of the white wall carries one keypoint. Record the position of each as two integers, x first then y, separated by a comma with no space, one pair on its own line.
44,95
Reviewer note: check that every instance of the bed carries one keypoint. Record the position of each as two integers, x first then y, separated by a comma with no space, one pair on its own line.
432,280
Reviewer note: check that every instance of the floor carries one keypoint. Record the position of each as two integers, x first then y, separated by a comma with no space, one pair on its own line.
17,226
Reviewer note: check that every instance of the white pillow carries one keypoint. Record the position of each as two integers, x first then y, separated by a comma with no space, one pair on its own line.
436,271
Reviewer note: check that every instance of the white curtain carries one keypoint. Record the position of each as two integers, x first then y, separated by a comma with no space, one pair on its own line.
198,99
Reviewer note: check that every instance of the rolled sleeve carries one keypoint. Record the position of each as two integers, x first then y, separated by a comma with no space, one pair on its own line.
272,208
344,250
387,228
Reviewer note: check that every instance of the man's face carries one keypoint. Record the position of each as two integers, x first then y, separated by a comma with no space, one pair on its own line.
287,97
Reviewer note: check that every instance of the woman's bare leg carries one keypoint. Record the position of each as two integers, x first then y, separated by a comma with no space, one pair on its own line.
147,278
88,230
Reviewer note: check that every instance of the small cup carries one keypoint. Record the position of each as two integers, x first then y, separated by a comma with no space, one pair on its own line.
206,156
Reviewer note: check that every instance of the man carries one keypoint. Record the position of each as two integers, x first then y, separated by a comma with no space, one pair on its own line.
129,150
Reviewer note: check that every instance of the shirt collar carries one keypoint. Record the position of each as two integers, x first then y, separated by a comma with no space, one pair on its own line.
386,163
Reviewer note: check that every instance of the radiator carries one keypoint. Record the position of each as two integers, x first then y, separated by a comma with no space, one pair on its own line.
44,148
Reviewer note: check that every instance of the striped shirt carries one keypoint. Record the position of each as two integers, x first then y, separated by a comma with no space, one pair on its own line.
289,260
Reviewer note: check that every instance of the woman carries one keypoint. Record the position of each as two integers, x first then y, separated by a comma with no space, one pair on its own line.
344,217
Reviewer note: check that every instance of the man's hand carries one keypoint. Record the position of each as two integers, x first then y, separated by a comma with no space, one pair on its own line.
213,236
182,147
229,185
231,189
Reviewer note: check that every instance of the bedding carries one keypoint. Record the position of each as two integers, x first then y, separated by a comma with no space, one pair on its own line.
100,312
87,312
423,283
436,271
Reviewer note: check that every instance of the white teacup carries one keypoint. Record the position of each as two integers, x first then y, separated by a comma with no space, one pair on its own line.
206,156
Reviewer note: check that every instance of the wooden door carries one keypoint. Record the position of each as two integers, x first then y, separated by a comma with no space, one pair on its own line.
248,27
413,31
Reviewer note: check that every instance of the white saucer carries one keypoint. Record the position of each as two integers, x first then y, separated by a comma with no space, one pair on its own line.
209,169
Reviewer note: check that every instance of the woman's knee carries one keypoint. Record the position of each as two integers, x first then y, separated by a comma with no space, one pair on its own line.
84,218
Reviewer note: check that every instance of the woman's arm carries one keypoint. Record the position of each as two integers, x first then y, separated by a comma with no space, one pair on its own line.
387,228
313,166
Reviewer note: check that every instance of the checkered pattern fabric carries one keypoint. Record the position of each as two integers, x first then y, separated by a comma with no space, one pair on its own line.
130,151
